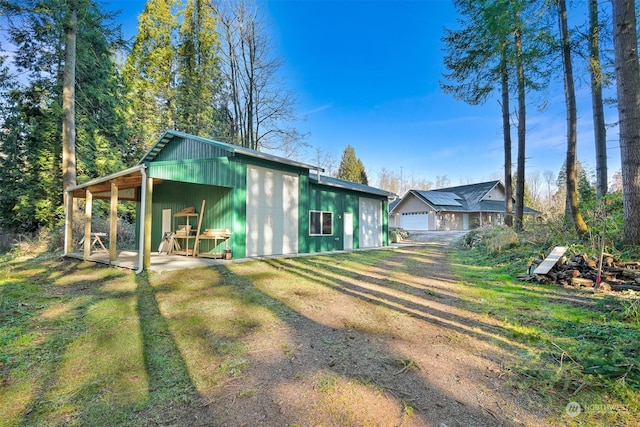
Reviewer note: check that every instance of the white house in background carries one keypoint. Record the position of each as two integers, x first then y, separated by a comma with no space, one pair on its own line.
454,208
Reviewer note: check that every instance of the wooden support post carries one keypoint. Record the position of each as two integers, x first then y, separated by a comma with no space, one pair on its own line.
113,227
88,207
68,223
146,263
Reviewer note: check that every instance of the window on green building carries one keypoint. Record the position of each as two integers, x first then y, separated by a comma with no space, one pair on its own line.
320,223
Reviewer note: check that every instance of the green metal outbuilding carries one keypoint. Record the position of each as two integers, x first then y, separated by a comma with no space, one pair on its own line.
268,205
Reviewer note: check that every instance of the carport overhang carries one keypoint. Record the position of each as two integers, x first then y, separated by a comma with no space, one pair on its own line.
123,185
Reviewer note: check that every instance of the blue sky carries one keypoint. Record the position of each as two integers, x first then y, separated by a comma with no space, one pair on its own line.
366,73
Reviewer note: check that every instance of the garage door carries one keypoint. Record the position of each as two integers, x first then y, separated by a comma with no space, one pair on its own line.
370,223
415,222
272,212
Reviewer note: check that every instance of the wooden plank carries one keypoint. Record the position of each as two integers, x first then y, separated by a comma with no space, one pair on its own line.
551,260
195,245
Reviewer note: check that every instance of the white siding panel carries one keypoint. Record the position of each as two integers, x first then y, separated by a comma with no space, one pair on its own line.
370,223
272,212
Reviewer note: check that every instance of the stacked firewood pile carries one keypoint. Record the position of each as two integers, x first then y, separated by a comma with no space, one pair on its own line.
582,271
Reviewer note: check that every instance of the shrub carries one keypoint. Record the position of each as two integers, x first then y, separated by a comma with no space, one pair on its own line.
397,234
492,238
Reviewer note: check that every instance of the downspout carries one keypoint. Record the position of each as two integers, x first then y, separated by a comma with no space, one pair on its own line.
143,209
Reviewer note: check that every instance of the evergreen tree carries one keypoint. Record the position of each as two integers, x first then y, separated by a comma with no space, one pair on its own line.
597,80
150,71
572,123
173,71
37,29
498,48
351,168
198,73
628,84
12,154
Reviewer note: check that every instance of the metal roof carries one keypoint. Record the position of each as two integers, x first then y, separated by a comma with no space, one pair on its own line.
348,185
169,135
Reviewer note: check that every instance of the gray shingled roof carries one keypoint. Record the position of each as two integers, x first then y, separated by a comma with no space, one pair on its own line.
464,198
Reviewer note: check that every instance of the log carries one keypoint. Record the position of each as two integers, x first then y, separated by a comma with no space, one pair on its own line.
632,274
582,271
625,287
580,282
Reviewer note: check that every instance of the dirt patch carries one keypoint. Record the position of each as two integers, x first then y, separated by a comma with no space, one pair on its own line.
388,345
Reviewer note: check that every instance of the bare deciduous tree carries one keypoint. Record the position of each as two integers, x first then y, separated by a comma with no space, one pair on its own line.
258,107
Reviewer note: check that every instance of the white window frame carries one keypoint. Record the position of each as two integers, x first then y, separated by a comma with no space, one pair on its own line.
322,223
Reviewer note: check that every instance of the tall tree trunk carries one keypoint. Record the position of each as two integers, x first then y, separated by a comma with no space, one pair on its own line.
599,130
625,40
522,127
506,132
572,120
69,100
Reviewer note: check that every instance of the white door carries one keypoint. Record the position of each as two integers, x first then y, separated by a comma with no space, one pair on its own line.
416,222
370,223
272,212
347,235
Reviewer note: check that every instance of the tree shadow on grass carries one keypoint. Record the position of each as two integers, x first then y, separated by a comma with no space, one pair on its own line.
48,316
168,375
319,365
413,300
85,361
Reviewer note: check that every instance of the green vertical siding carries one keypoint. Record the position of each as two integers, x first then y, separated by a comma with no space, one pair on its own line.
186,148
328,200
217,171
218,211
239,201
338,201
304,205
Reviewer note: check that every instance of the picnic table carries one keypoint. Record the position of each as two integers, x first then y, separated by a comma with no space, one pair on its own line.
96,240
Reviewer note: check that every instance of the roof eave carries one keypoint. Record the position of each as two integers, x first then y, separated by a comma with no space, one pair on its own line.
107,178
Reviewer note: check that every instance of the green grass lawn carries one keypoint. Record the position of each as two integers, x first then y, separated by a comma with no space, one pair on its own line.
585,346
87,345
